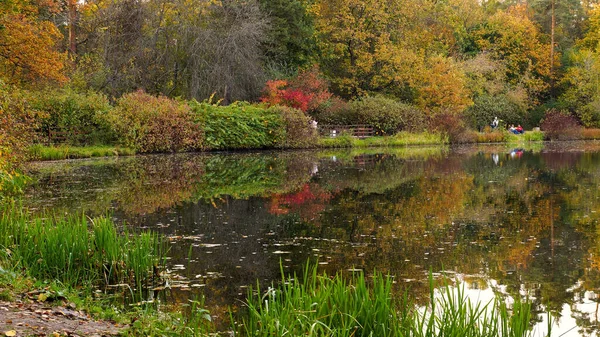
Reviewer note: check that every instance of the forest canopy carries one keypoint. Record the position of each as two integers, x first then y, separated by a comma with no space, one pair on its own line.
469,59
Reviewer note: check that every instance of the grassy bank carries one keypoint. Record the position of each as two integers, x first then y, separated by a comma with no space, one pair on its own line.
400,139
42,152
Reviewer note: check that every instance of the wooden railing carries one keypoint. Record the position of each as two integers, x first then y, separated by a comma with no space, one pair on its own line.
357,130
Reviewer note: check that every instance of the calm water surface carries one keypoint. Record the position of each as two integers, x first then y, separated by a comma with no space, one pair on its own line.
514,222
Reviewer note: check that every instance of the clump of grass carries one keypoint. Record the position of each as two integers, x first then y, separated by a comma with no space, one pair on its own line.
400,139
529,136
78,251
323,306
590,134
422,138
491,137
334,306
41,152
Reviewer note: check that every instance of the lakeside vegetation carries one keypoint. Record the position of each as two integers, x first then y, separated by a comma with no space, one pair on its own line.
322,305
96,78
60,152
93,254
66,79
77,251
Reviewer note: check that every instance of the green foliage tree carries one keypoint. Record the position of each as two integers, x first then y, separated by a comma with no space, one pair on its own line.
290,42
486,108
582,82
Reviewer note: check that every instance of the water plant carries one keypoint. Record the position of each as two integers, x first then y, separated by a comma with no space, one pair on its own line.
240,125
323,305
79,251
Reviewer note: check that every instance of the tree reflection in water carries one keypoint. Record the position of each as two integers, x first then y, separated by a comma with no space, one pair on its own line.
526,224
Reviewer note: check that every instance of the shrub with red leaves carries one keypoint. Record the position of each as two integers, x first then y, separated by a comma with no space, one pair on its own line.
305,92
559,125
451,125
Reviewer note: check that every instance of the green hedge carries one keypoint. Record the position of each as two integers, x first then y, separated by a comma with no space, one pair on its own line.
80,115
240,125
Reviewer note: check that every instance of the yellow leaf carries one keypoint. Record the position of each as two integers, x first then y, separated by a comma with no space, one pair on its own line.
42,297
10,333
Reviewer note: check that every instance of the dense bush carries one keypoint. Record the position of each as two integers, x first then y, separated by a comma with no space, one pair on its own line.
558,125
17,124
386,115
299,133
452,126
486,107
307,91
334,111
80,115
154,124
239,125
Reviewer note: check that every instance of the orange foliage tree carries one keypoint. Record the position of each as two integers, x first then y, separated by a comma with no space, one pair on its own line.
27,43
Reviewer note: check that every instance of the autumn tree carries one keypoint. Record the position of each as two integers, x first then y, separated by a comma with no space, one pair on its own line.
27,43
358,52
591,39
513,39
582,83
442,87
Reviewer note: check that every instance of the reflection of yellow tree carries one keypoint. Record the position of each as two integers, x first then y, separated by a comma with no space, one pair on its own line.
158,183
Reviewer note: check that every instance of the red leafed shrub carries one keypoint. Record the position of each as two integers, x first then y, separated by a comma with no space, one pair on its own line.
305,92
296,99
154,124
558,125
453,126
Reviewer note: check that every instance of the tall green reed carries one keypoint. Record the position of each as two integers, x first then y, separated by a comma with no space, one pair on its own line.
78,251
323,305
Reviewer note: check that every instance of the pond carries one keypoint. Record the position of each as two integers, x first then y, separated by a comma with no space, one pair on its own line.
515,222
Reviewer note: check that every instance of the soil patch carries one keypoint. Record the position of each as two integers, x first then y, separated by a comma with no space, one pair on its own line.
40,319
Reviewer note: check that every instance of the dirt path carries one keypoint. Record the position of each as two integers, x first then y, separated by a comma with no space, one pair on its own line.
40,319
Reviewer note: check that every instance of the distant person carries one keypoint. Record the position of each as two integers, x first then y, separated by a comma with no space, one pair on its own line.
495,123
519,129
513,130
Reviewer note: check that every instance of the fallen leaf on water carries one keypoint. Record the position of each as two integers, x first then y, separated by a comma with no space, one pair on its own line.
10,333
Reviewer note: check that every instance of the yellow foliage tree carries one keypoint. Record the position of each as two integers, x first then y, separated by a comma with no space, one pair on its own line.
358,51
443,87
512,38
27,52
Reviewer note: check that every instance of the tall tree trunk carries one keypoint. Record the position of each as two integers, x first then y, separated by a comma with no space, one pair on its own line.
72,8
552,24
